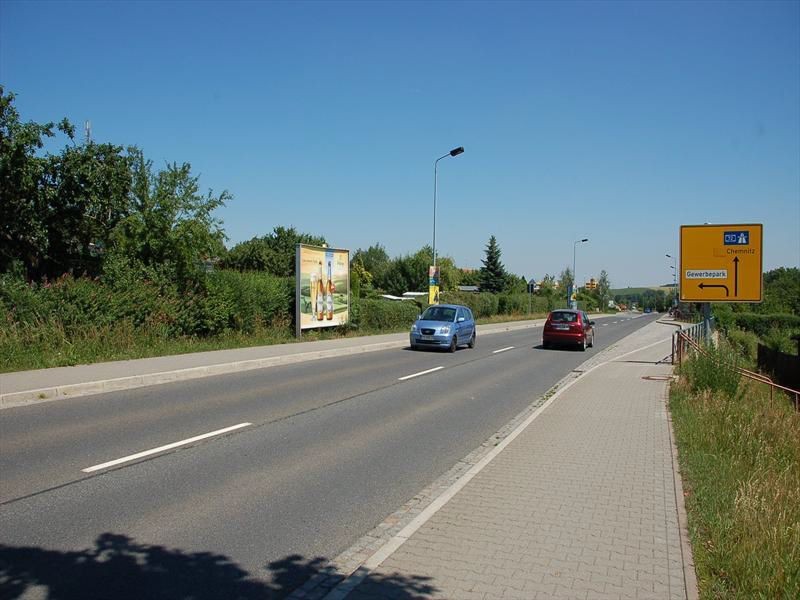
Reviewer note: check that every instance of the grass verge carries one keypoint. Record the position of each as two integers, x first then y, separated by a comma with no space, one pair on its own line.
740,464
49,344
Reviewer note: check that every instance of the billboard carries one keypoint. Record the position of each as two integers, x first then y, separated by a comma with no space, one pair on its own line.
322,287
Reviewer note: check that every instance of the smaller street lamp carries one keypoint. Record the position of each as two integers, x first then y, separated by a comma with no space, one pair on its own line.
674,268
574,275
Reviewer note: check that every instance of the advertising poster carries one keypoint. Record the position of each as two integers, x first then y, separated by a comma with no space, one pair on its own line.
322,287
433,285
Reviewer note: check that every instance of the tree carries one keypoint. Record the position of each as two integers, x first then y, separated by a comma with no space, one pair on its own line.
170,224
566,280
57,209
781,291
603,289
273,253
493,273
470,278
374,260
409,273
87,188
23,234
549,289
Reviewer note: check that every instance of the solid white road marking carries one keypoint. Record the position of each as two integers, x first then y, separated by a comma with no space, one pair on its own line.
418,374
196,438
503,350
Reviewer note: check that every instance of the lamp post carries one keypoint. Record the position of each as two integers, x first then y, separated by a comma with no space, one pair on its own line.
453,152
674,268
574,275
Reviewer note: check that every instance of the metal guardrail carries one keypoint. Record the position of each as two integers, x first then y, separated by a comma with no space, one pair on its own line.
697,333
687,340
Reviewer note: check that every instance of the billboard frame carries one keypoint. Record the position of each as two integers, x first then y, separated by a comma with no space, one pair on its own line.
298,286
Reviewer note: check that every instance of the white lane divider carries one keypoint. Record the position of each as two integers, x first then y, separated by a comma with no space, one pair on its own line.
418,374
144,453
503,350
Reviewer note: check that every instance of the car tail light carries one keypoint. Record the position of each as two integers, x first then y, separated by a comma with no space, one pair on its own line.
575,326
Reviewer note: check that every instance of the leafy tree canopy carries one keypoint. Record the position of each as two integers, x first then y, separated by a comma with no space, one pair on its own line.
169,222
273,253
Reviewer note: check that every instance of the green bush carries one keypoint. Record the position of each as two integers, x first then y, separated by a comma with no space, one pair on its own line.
713,370
781,340
23,303
386,314
232,301
744,343
483,304
762,324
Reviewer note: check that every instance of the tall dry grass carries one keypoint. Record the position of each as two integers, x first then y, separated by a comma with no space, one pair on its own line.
740,463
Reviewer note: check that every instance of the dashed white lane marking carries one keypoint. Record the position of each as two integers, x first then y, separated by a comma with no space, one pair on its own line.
144,453
503,350
605,324
418,374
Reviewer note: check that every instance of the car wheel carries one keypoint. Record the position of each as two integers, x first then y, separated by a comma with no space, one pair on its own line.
472,340
583,344
545,345
591,343
453,344
413,346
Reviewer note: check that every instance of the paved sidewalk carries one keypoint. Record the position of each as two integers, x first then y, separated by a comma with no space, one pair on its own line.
584,502
43,385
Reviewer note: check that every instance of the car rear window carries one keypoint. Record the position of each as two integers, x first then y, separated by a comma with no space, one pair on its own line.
564,317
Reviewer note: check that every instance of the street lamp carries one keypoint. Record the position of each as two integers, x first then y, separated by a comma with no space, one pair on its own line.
574,275
453,152
674,268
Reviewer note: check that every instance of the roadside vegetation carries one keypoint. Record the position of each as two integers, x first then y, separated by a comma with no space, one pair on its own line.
105,256
739,453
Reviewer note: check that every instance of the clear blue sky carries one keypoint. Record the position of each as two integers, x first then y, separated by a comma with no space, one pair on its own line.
613,121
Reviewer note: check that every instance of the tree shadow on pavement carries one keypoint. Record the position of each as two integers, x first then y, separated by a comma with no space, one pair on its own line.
118,568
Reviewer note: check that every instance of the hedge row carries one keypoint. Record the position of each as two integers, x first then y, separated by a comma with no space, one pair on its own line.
759,324
377,314
223,301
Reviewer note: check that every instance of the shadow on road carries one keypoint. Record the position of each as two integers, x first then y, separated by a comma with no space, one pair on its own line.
119,568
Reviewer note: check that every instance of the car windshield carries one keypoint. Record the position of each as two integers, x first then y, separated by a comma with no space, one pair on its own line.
439,313
564,317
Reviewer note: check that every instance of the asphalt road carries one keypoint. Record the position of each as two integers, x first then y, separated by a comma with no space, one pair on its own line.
331,447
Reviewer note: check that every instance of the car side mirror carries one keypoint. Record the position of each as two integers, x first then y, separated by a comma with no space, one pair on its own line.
419,317
460,319
591,322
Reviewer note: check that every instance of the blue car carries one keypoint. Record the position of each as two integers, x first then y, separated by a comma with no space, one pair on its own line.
444,326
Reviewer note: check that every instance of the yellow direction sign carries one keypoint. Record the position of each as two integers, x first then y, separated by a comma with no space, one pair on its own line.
721,263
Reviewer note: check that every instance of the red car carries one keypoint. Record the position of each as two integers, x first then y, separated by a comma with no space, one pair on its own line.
569,328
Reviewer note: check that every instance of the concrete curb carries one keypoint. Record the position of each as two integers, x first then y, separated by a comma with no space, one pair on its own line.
75,390
687,556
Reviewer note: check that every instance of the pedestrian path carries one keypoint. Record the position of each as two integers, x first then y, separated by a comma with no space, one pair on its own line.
583,502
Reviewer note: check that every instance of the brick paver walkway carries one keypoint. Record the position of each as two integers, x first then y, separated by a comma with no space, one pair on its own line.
582,504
